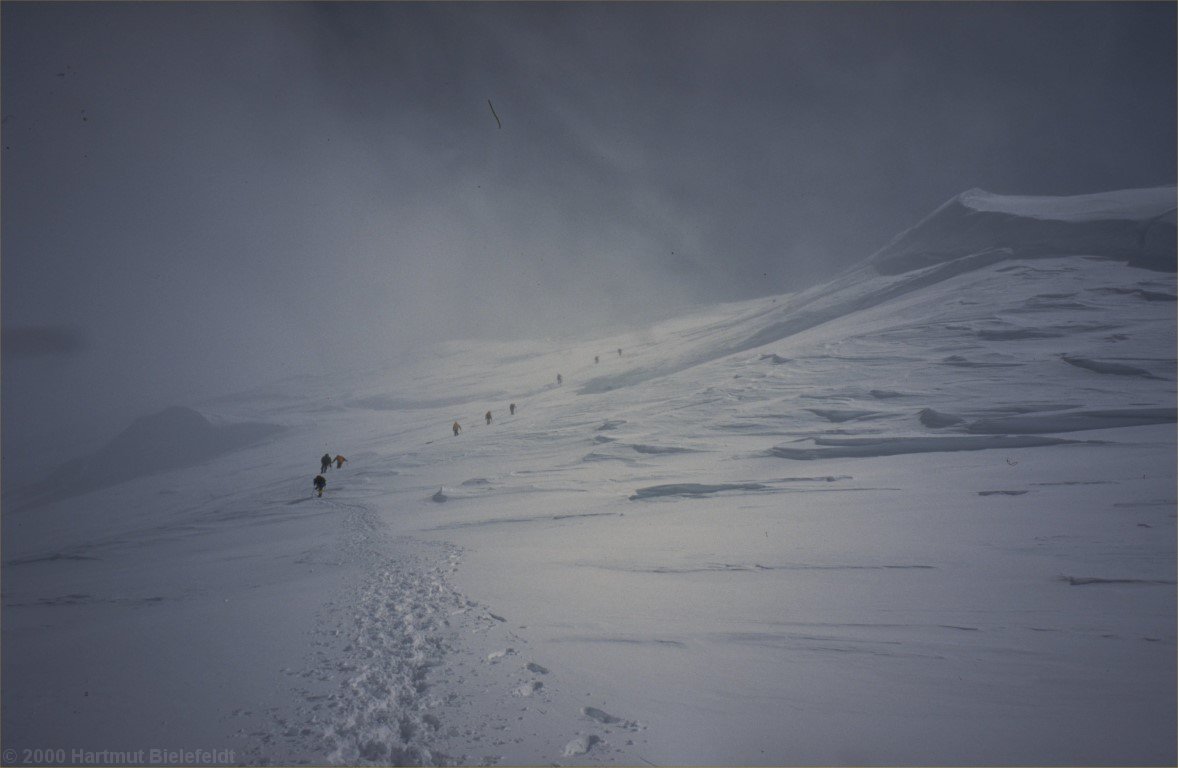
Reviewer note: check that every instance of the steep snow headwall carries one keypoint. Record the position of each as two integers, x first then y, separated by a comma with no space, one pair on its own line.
1136,226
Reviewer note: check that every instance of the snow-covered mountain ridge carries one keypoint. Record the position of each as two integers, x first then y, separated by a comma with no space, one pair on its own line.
972,231
1135,225
175,437
906,517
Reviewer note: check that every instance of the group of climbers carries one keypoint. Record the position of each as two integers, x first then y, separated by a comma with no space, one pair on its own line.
456,427
325,462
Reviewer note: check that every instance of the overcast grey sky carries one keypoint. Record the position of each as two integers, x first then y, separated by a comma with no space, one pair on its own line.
201,196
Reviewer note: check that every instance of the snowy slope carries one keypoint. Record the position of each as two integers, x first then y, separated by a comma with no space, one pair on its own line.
922,514
1135,225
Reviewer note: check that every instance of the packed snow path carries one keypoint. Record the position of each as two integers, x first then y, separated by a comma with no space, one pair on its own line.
921,514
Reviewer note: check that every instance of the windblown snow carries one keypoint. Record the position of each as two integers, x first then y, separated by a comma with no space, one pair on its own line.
921,514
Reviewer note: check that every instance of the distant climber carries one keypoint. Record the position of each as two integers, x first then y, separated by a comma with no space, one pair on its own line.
457,428
619,351
559,379
320,483
512,408
339,462
324,462
488,418
596,359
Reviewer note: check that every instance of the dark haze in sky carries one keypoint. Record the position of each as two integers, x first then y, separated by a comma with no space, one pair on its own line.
202,196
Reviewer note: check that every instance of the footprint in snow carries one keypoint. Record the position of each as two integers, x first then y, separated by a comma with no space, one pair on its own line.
581,745
494,656
534,667
605,718
527,689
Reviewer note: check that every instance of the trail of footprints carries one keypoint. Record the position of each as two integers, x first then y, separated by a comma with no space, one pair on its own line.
529,682
410,672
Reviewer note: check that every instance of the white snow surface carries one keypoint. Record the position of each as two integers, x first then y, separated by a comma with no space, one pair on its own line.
1134,225
1128,204
914,516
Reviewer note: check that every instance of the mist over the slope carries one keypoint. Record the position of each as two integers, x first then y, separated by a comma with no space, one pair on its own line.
215,195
